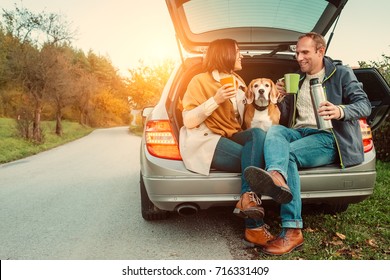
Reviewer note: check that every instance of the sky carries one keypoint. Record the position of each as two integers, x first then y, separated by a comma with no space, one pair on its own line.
128,31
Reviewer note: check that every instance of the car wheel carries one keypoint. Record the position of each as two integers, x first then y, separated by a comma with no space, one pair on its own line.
149,211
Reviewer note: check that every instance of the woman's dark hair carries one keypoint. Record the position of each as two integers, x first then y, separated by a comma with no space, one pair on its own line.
221,55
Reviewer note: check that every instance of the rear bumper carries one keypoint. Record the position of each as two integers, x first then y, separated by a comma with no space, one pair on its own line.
168,193
169,184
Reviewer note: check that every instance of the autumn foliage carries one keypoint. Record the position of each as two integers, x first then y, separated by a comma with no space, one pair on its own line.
44,77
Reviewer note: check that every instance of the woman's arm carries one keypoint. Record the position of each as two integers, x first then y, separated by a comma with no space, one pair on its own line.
198,115
195,116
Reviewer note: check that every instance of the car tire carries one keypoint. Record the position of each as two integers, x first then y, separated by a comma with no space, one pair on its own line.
149,211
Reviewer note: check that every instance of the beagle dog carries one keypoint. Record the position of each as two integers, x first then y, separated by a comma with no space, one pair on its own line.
261,109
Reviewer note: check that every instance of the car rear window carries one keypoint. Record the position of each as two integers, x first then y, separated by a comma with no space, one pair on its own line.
295,15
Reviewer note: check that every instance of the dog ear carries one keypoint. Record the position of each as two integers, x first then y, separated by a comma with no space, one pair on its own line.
250,96
274,94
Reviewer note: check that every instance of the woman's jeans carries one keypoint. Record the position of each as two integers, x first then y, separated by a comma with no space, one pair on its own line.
234,154
286,150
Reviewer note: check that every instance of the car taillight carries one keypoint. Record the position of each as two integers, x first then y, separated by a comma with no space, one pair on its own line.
368,143
160,140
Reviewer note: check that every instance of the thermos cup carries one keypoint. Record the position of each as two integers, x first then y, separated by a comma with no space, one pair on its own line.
318,96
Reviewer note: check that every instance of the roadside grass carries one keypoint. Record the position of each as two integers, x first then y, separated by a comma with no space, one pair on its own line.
13,147
360,233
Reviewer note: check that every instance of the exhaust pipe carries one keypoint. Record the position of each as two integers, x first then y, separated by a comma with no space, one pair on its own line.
187,209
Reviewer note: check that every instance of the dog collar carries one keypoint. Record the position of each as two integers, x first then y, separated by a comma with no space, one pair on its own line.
260,108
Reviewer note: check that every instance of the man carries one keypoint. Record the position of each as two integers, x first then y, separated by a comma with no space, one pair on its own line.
286,150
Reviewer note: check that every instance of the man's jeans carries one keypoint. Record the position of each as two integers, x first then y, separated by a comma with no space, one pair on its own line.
234,154
287,150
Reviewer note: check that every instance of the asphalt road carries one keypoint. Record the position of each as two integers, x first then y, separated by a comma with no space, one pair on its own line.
81,201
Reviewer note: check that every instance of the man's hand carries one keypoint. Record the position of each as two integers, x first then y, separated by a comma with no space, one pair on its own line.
329,111
281,87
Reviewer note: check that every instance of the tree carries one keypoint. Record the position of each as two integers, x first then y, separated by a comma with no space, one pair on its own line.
29,68
3,58
3,61
29,64
9,86
42,76
109,110
59,80
146,83
37,29
383,66
87,86
100,93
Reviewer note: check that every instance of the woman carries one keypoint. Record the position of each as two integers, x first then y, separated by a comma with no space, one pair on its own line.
212,136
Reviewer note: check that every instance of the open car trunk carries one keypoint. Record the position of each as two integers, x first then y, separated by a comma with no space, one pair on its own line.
256,25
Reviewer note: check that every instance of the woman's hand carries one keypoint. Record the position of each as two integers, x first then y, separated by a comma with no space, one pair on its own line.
224,93
329,111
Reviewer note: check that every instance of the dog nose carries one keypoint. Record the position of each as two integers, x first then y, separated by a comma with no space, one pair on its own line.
261,91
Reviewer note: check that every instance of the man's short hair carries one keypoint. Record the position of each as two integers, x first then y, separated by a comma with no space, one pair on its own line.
318,39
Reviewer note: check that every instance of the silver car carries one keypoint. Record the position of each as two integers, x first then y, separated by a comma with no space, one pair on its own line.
267,34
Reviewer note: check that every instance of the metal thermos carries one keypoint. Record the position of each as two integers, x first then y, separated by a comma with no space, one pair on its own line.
317,96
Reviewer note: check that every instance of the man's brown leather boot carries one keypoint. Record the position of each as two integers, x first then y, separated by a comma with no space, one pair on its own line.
271,184
249,206
288,240
257,236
